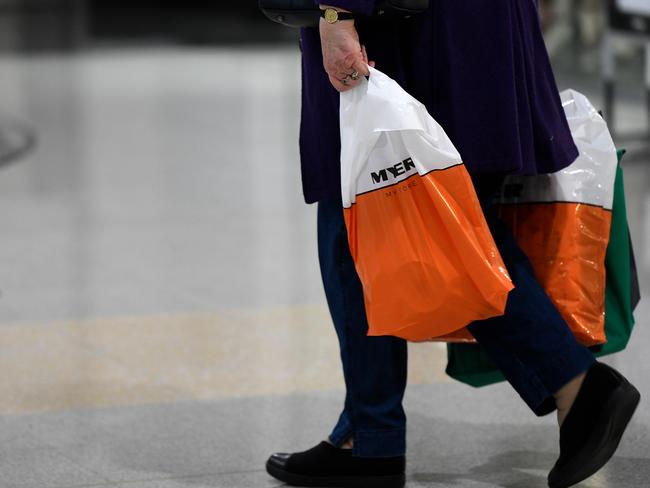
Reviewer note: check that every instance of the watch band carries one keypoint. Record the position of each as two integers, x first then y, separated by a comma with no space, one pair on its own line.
332,15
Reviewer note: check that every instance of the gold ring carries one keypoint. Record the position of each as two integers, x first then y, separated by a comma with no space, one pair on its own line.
355,76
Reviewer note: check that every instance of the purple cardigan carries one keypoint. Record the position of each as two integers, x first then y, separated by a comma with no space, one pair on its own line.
479,66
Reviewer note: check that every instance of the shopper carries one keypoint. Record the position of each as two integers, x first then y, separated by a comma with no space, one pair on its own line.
482,70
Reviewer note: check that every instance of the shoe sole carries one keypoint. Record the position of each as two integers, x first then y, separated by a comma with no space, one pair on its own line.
393,481
604,440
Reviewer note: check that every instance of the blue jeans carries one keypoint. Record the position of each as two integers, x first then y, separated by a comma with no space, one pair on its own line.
531,343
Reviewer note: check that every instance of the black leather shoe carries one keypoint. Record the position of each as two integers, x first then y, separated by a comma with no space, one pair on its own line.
594,426
327,465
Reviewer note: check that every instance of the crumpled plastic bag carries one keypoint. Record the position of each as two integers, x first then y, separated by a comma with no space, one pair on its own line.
562,222
422,249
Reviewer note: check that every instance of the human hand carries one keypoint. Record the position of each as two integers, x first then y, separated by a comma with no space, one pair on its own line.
344,58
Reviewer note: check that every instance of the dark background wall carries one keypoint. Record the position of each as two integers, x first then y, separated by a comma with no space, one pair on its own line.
189,20
36,25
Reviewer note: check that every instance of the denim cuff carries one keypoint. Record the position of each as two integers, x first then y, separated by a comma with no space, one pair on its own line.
342,432
576,359
379,443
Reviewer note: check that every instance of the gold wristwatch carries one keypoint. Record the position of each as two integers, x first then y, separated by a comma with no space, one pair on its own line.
332,16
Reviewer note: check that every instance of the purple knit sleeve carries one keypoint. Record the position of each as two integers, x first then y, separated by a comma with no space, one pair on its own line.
364,7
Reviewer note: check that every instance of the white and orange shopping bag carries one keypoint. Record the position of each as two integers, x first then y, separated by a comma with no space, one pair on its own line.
420,243
562,223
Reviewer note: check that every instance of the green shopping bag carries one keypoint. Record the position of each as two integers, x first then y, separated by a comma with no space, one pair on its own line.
469,363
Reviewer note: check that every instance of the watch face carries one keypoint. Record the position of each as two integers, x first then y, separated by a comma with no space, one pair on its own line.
331,15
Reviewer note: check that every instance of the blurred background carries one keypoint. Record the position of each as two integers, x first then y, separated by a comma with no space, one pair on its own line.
162,321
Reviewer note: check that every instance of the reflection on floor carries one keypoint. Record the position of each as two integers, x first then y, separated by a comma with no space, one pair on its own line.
161,316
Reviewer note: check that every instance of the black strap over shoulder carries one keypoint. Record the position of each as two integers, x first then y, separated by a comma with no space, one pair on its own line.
305,13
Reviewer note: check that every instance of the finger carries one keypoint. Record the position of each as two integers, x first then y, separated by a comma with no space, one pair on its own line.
346,63
371,64
343,74
352,83
349,82
342,71
338,84
361,67
351,63
350,74
359,63
358,69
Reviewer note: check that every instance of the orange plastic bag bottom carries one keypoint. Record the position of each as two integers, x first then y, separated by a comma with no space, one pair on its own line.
566,244
425,256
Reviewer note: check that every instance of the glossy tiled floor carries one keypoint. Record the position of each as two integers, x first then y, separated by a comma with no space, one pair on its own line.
161,318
